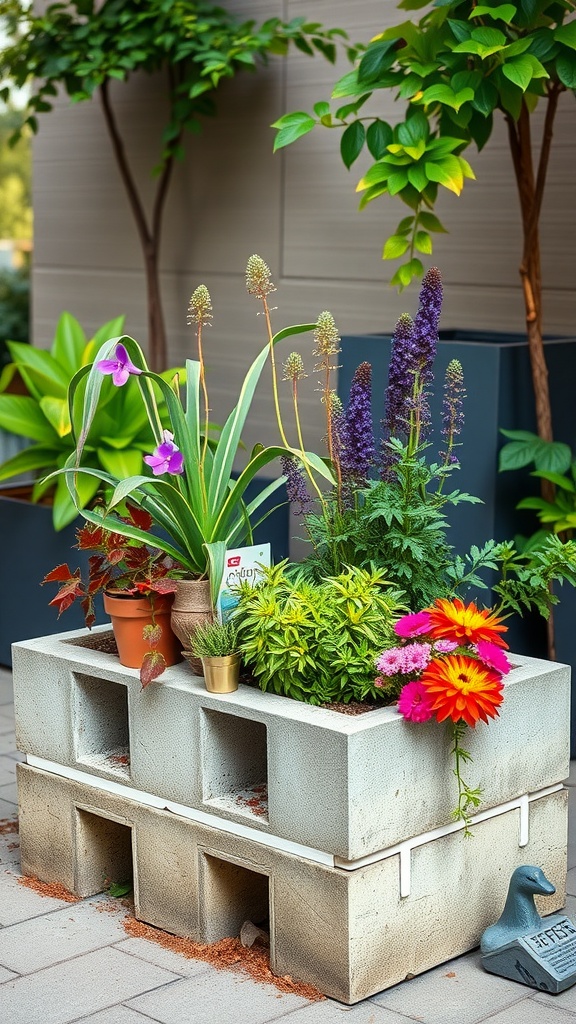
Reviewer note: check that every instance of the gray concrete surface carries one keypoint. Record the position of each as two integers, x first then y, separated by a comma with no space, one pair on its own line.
62,963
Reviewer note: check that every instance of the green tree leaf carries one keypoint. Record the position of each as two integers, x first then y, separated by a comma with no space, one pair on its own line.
394,247
378,136
447,172
567,34
504,12
566,68
292,127
423,242
430,222
352,142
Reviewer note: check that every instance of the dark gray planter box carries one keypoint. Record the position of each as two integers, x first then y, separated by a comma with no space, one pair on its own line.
30,549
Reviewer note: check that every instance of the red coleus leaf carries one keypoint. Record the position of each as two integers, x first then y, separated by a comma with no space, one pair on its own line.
136,557
60,574
68,594
89,537
138,517
116,555
163,585
88,609
153,634
153,665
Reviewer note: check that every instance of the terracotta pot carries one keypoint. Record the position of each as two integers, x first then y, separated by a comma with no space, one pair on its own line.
192,605
221,674
130,614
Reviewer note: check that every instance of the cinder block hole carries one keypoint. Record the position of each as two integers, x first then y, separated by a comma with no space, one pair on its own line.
235,764
101,732
103,853
231,895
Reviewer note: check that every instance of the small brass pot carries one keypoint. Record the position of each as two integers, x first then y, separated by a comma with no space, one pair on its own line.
221,674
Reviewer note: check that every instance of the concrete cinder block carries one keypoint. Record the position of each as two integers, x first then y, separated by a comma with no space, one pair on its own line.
349,932
363,783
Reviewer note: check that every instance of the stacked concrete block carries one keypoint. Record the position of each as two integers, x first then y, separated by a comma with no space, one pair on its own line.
252,806
348,785
350,933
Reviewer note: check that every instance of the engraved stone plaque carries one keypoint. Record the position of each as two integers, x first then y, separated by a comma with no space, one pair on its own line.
544,959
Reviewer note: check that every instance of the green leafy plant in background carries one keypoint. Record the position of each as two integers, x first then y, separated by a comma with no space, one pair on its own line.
83,48
315,642
120,431
462,63
553,461
14,309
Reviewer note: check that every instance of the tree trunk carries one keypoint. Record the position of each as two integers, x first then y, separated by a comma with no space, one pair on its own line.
157,344
531,192
149,237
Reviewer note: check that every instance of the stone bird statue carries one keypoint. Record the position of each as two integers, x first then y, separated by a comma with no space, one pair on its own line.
519,916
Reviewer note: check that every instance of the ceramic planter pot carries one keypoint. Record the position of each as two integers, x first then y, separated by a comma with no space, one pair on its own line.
221,674
129,615
192,605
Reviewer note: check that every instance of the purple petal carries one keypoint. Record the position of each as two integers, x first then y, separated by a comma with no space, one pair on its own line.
120,375
107,365
157,464
176,463
166,450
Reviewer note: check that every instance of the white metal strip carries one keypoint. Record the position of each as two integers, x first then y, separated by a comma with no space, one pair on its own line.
403,849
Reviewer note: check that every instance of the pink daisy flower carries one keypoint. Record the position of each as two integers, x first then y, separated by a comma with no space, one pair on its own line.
414,703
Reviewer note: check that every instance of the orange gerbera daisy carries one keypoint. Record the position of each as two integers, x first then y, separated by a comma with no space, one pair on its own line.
462,688
464,623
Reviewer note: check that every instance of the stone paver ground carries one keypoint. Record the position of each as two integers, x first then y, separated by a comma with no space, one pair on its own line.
62,963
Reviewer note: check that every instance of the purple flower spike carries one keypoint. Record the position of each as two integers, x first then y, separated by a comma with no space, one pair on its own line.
357,452
427,321
295,486
120,368
167,457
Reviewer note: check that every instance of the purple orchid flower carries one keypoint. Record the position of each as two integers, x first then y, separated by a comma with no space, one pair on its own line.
121,367
166,458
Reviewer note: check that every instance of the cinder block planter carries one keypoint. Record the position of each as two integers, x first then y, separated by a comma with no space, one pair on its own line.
350,786
350,933
247,805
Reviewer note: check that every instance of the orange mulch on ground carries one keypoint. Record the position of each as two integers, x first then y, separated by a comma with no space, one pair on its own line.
228,953
8,826
54,889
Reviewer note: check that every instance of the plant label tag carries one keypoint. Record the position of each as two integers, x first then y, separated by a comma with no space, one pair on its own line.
545,959
240,565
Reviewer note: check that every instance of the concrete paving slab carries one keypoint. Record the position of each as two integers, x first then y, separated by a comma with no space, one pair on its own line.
152,953
7,771
7,723
330,1012
565,1000
7,809
7,743
8,792
17,903
79,928
76,988
116,1015
217,996
571,882
6,975
459,992
532,1011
